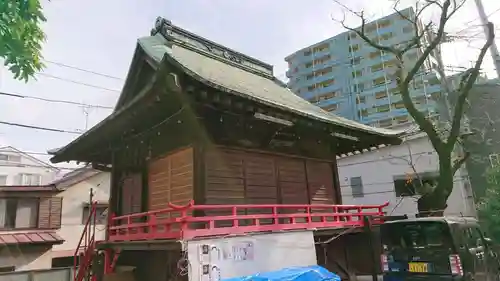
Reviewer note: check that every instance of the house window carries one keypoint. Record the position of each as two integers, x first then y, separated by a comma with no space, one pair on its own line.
357,187
386,36
10,158
28,179
3,180
101,214
411,185
384,23
495,160
363,113
18,213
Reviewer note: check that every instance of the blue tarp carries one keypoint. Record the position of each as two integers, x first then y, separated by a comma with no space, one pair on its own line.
302,273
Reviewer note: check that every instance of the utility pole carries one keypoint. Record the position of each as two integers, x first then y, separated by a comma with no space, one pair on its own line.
493,48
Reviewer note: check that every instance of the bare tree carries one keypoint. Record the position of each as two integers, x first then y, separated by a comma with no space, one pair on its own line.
426,40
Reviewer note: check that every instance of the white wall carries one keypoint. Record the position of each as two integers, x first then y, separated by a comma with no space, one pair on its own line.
272,251
30,259
377,169
27,165
74,199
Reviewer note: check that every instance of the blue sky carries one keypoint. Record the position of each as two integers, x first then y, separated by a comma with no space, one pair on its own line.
100,36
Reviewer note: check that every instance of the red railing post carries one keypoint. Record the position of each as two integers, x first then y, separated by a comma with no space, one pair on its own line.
234,212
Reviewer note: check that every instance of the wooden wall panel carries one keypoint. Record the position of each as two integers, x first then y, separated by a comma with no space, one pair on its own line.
224,172
170,179
131,186
320,182
248,177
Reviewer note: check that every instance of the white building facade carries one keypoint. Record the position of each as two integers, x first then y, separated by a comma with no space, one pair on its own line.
75,191
19,168
388,175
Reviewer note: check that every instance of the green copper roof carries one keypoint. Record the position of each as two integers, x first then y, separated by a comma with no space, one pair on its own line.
223,74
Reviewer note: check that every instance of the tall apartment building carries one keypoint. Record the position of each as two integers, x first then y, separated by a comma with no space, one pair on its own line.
348,77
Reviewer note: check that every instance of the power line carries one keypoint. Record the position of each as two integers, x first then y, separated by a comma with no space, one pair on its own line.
54,100
78,82
84,70
39,128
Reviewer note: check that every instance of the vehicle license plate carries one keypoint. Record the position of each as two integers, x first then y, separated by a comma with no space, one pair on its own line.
419,267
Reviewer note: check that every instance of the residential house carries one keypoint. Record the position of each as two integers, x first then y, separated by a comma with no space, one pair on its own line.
75,188
20,168
29,219
393,173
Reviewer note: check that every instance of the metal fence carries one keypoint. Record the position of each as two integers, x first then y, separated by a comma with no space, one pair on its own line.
53,274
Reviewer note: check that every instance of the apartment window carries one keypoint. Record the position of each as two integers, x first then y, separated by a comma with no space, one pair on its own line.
386,36
401,119
320,48
326,83
495,160
379,81
410,185
377,67
356,61
385,123
418,84
356,73
374,55
322,60
408,29
381,95
434,81
307,53
354,48
327,96
357,187
360,100
390,64
383,108
436,96
28,179
18,213
363,113
398,105
420,100
330,107
359,87
3,180
384,23
394,91
370,28
101,214
351,36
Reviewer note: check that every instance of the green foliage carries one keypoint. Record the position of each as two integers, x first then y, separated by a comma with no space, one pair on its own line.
489,206
21,36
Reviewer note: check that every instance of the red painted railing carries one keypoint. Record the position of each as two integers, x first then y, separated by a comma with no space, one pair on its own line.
85,250
178,222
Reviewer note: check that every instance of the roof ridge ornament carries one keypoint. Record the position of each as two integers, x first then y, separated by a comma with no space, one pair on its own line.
182,37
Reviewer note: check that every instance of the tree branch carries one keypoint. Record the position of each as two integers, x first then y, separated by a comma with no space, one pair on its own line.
470,77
